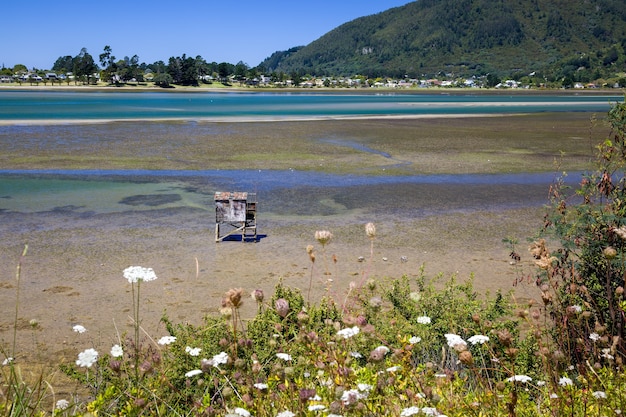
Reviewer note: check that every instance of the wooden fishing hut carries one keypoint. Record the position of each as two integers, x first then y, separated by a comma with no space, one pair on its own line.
237,211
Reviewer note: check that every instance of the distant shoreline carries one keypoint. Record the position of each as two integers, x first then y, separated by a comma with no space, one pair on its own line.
316,90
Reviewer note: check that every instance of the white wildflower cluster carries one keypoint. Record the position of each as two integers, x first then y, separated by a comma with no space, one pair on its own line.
242,412
599,395
428,411
193,373
478,339
87,358
455,341
415,339
166,340
285,413
594,336
520,378
424,320
138,273
79,329
217,360
283,356
348,332
261,386
117,351
62,404
193,351
565,381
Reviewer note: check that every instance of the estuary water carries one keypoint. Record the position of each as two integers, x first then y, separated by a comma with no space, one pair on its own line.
24,113
18,107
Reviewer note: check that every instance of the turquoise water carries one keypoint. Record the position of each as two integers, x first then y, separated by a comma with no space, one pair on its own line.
64,106
100,192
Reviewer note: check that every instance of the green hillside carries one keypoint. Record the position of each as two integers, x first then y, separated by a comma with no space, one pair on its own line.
560,38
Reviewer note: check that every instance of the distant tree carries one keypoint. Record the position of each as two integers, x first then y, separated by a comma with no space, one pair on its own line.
183,70
223,71
492,80
128,69
107,60
163,80
190,71
175,69
240,71
63,64
84,66
158,67
19,68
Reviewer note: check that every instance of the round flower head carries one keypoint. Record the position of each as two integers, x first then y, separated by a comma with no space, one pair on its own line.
166,340
370,230
323,236
62,404
117,351
79,329
87,357
139,273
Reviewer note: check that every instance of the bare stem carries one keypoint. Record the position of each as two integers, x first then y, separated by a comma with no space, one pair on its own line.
18,276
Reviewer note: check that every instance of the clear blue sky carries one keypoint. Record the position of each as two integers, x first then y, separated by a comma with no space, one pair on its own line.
35,33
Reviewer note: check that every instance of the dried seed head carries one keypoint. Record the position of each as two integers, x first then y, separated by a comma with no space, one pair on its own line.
609,252
621,232
234,298
505,337
466,357
323,236
370,230
309,249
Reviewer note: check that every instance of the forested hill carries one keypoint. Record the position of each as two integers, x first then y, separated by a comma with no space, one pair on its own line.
468,37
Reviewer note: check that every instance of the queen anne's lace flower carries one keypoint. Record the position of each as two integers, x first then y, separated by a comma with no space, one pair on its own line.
411,411
565,381
594,336
62,404
283,356
117,351
193,373
139,273
220,359
260,385
87,357
317,407
348,332
520,378
166,340
79,329
455,340
599,395
242,412
415,339
478,339
423,320
193,351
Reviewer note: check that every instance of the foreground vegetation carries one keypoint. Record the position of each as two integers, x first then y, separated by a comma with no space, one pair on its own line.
397,347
